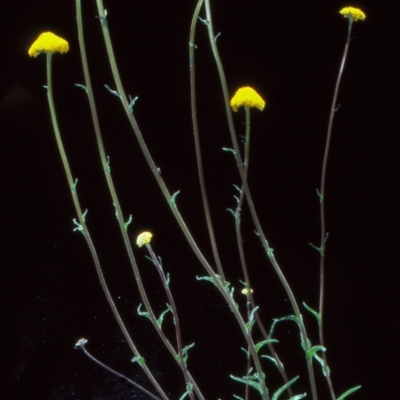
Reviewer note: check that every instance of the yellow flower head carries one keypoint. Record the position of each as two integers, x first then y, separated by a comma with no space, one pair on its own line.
247,96
144,238
351,12
247,291
48,42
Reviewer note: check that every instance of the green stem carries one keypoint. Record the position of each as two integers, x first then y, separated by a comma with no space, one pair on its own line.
106,367
115,200
322,248
238,219
192,48
253,212
82,224
177,324
135,127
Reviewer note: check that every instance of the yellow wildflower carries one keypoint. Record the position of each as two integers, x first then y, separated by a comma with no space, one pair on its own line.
247,291
247,96
48,42
144,238
352,12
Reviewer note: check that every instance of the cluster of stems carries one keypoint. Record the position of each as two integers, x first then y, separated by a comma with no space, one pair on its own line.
248,320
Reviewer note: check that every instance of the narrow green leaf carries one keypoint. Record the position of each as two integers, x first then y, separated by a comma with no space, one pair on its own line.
204,278
126,224
264,342
139,360
229,150
271,359
325,369
143,313
350,391
251,322
161,317
310,353
283,388
313,312
320,251
81,87
247,353
185,352
249,382
173,198
299,396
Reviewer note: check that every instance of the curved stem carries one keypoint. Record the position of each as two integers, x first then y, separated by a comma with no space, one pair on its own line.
170,199
321,195
254,215
82,227
81,344
199,159
122,225
177,324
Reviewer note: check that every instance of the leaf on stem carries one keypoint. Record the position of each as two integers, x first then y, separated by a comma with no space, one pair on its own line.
313,312
173,198
259,345
229,150
250,380
282,389
310,353
185,353
161,317
143,313
350,391
139,359
82,87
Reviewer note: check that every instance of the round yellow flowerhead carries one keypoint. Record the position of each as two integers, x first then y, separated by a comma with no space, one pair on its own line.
246,291
144,238
247,96
351,12
48,42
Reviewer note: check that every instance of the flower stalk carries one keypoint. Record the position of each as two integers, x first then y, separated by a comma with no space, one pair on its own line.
352,14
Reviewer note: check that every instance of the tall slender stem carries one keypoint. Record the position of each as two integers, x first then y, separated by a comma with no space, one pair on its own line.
82,227
81,344
321,194
238,220
177,324
192,47
264,242
107,171
132,120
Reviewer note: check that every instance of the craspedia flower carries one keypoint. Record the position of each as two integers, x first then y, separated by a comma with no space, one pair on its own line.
48,42
144,238
351,12
247,96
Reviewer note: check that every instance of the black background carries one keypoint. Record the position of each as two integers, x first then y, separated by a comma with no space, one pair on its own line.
290,52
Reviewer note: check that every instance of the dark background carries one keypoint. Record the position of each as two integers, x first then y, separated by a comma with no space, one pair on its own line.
290,52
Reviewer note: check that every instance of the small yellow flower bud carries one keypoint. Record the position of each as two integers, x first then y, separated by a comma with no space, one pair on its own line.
247,96
247,291
48,42
352,12
144,238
